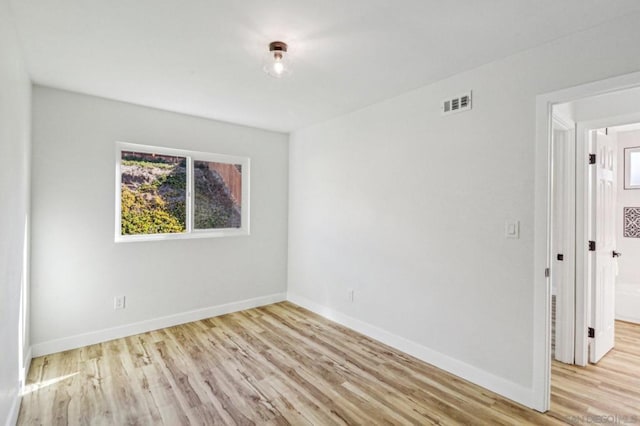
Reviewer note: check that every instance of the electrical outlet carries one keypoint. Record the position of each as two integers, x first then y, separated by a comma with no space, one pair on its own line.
119,302
350,295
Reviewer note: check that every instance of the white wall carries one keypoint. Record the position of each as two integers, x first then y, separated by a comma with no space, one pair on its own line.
629,264
628,280
408,208
15,99
617,104
77,269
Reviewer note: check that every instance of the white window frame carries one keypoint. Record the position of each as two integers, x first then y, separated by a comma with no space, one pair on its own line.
191,156
627,167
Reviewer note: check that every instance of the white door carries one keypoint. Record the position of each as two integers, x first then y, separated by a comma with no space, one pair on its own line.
603,261
562,237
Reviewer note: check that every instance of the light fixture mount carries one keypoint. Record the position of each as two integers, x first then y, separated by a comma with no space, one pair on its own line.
275,46
277,62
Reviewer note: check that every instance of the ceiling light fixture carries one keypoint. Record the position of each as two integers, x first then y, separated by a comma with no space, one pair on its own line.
277,63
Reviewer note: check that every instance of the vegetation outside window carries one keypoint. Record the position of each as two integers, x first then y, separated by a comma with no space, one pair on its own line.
165,193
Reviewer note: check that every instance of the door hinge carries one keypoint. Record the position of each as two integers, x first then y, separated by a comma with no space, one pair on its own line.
592,159
547,272
592,332
592,246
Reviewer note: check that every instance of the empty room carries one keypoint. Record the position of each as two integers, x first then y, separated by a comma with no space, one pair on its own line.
315,213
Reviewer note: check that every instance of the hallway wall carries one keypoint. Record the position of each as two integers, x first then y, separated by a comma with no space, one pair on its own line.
628,281
15,111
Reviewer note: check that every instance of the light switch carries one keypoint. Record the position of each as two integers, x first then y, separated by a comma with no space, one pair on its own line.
512,229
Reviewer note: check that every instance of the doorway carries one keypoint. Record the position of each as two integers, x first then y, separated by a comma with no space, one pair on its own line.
608,385
585,303
608,284
587,116
587,181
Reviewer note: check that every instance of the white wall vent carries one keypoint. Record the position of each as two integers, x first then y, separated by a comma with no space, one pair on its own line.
457,104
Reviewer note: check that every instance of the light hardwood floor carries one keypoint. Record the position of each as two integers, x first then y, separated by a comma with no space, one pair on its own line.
282,364
610,388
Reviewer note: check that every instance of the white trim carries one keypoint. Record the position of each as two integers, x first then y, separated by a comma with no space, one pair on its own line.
627,167
190,157
227,232
542,298
563,123
542,256
565,295
80,340
582,254
14,411
468,372
190,187
26,365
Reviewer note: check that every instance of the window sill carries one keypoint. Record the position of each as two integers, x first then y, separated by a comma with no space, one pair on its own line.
182,236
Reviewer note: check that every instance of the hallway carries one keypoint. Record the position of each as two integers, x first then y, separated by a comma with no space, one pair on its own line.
611,388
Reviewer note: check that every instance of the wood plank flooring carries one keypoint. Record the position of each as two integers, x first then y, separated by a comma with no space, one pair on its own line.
610,388
282,364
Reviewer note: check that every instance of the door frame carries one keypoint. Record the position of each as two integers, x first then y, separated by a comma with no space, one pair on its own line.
565,294
541,380
585,194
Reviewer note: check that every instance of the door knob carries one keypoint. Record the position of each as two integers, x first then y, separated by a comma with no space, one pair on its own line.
616,254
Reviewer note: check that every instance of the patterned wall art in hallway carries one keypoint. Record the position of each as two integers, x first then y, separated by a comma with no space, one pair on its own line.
632,222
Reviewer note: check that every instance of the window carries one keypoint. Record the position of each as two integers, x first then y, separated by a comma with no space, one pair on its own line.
632,168
164,193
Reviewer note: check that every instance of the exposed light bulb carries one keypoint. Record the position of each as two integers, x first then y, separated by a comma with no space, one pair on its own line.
277,63
278,67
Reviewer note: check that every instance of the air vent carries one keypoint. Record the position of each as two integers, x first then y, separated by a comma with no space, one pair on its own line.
457,104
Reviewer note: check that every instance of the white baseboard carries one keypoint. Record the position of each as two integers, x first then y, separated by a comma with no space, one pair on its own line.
26,364
14,411
27,358
80,340
499,385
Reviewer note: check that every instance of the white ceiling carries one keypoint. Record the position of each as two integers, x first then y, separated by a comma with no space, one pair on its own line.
203,57
633,127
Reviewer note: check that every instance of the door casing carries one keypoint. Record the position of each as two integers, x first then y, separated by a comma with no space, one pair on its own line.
563,271
541,382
